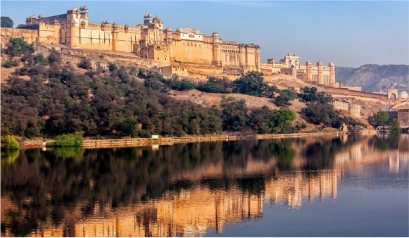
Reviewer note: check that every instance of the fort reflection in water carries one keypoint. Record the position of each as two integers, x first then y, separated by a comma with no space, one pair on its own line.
186,189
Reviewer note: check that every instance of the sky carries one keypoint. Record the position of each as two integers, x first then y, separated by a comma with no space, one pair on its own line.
350,34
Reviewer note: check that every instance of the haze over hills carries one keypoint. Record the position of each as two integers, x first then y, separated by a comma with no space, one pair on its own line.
374,78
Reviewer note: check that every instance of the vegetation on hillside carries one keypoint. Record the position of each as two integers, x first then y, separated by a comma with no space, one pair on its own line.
57,100
320,111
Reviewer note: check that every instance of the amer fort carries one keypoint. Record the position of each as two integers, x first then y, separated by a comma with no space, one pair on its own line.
184,52
190,54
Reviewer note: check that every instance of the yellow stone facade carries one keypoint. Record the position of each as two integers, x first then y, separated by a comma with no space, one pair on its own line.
290,65
176,50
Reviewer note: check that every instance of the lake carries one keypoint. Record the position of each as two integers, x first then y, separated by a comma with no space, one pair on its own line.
316,186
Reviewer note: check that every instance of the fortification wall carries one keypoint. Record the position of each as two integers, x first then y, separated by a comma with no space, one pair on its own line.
30,36
344,91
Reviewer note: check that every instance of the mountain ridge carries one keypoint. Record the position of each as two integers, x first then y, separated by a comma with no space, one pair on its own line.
374,77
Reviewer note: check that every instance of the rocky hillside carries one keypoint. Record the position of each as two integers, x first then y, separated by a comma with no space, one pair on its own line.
374,78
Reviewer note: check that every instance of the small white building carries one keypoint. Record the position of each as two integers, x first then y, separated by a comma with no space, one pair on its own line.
404,95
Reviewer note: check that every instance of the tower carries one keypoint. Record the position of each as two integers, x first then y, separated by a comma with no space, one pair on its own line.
331,73
309,71
114,36
216,49
320,76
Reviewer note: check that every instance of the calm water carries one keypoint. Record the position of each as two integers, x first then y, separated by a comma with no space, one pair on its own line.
342,186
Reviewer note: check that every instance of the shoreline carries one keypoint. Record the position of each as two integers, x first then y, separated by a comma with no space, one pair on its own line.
138,142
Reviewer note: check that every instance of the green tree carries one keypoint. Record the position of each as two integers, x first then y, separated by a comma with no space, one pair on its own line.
6,22
9,143
18,46
395,127
381,117
234,114
252,84
282,100
68,140
128,126
311,94
281,120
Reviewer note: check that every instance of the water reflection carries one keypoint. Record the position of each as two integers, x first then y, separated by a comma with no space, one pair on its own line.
185,189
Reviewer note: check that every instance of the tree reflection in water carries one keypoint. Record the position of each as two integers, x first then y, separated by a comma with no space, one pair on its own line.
49,186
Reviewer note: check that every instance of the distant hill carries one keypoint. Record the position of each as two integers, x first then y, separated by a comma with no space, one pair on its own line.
374,78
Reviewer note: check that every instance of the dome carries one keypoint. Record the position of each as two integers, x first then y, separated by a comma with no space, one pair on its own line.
149,15
85,7
145,16
215,33
308,62
156,19
114,24
294,54
289,54
168,29
319,63
180,29
81,8
33,16
196,31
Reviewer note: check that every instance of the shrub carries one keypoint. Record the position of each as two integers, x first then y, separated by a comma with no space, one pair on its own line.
85,64
282,100
128,126
68,140
9,143
9,64
395,127
180,85
39,59
112,67
381,117
311,94
54,57
281,120
18,46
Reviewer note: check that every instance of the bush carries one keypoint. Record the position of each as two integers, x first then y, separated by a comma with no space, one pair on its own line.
112,67
85,64
18,46
68,140
39,59
9,143
128,126
282,100
311,94
281,120
324,113
9,64
180,85
215,85
252,84
381,117
395,127
54,57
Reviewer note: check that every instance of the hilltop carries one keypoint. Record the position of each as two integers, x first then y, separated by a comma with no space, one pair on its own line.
374,78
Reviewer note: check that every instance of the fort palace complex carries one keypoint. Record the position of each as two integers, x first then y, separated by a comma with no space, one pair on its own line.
181,52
